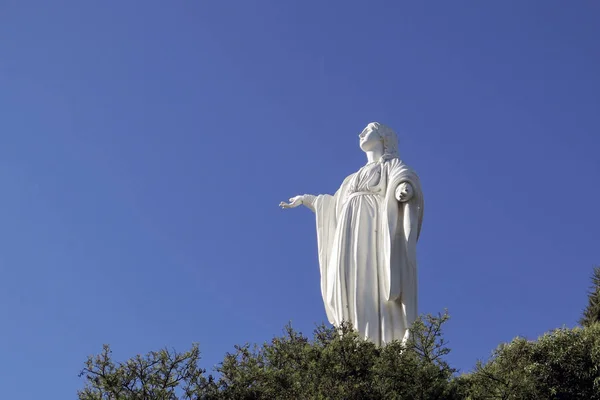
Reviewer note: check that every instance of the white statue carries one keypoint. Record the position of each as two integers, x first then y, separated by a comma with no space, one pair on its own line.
367,234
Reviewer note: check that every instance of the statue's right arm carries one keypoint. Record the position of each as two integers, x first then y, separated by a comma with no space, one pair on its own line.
296,201
308,201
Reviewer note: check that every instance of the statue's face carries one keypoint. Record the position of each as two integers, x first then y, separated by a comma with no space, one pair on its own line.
370,138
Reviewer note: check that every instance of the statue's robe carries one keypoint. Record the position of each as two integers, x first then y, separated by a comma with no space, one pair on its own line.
367,251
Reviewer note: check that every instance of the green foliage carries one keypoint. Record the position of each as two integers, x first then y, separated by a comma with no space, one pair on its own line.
591,314
335,364
563,364
160,375
420,372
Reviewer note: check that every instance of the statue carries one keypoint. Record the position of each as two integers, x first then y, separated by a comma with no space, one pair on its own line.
367,234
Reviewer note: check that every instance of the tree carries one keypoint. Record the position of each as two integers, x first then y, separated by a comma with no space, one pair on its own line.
562,364
159,375
591,314
335,364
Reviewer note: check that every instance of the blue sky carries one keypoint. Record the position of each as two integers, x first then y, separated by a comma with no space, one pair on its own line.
145,146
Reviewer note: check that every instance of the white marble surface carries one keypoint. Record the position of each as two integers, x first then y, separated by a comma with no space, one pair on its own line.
367,234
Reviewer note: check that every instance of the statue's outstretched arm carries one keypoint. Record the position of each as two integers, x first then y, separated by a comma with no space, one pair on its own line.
307,200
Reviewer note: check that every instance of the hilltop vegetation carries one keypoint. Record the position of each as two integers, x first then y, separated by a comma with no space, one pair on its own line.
337,364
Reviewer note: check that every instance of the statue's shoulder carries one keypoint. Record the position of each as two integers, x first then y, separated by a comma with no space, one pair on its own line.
398,168
395,164
347,179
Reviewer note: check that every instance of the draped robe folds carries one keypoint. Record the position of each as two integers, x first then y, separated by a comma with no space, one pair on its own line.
367,251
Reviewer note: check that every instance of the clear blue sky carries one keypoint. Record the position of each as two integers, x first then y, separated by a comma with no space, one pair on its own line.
145,146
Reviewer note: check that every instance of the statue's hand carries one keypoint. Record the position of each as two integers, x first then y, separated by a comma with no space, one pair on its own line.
294,202
404,192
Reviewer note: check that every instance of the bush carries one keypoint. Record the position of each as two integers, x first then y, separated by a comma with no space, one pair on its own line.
335,364
563,364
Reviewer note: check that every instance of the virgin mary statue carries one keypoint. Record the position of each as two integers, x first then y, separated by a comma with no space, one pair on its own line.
367,234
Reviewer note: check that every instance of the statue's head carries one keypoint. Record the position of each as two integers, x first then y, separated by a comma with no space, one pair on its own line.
376,134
